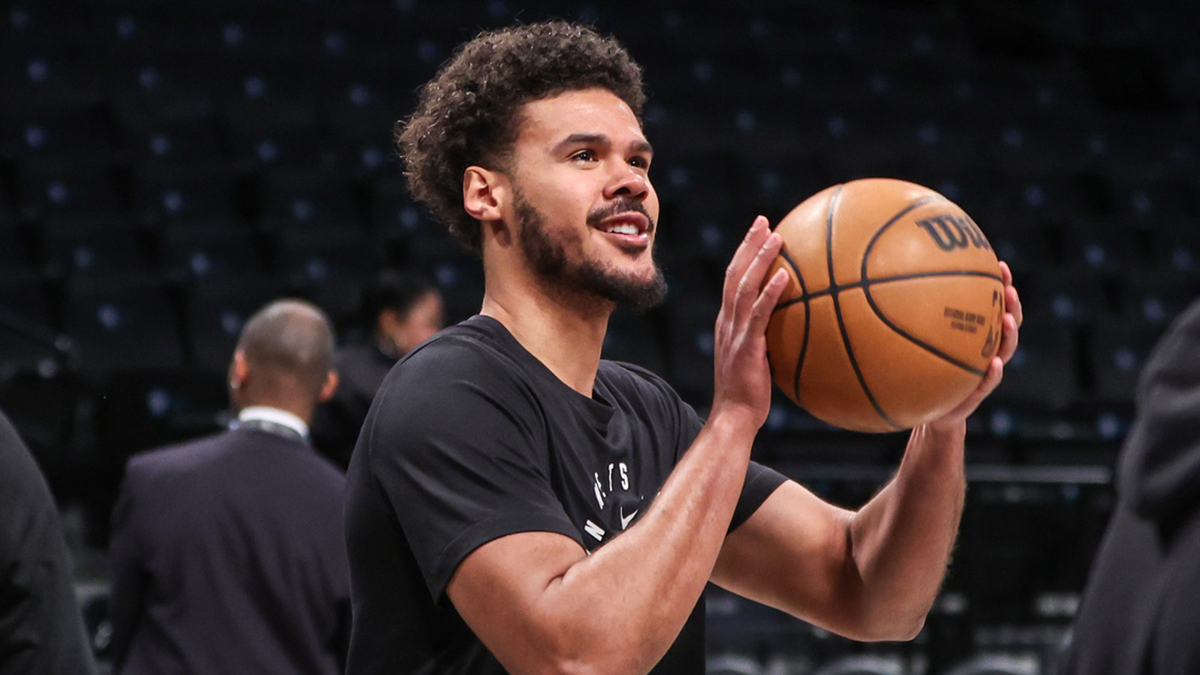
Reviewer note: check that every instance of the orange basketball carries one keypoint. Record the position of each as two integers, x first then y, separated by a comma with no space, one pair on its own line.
893,309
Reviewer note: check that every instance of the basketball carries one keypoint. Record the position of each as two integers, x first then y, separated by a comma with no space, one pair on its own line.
893,310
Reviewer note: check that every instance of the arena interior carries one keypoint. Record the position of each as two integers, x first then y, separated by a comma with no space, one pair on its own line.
167,168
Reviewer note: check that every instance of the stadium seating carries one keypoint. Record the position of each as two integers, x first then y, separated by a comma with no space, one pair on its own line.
167,168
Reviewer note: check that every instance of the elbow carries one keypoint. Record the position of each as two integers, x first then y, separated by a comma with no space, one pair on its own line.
901,631
887,627
608,659
574,666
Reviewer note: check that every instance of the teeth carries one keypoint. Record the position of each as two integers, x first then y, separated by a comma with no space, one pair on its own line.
623,229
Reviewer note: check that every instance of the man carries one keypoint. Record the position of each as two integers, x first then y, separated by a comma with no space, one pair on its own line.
516,504
1141,609
228,552
41,627
398,311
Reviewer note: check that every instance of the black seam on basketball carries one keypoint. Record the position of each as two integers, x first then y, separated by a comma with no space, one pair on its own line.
807,322
799,277
918,342
867,283
885,280
837,310
892,221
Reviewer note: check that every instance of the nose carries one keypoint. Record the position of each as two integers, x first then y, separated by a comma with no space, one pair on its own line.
628,182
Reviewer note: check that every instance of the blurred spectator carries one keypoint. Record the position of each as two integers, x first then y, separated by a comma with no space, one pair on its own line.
1141,609
41,627
227,552
396,313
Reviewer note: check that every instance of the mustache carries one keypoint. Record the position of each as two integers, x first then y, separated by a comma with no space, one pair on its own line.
621,205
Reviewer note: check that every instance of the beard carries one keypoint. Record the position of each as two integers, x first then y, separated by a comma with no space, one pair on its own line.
550,261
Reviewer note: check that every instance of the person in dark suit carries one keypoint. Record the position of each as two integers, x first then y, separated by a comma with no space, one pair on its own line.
397,312
227,552
1141,609
41,627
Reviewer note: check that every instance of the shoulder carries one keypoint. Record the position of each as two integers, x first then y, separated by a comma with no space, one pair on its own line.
174,459
471,356
464,382
633,380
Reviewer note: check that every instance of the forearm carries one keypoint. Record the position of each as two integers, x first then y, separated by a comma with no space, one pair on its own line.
621,608
900,542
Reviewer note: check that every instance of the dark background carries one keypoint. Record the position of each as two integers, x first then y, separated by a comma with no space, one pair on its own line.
166,168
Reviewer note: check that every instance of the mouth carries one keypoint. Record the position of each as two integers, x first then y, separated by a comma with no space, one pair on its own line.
629,229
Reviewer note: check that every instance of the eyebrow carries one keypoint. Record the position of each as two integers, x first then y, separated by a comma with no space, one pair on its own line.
642,147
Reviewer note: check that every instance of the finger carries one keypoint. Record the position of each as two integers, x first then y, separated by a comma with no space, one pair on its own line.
1012,304
750,285
991,380
742,257
1006,273
764,305
1009,338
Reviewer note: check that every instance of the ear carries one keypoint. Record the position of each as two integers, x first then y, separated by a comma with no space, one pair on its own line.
330,386
239,370
484,193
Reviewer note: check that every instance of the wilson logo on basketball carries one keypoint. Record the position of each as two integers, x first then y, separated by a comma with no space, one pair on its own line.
953,232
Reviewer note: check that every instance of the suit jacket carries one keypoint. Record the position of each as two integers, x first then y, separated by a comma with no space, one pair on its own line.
41,627
1141,609
228,557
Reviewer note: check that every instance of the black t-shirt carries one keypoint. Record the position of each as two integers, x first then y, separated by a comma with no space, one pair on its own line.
472,438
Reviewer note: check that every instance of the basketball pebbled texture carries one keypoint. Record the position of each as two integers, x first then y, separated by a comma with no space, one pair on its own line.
893,309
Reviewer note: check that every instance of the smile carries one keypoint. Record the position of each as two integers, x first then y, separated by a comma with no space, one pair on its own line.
630,226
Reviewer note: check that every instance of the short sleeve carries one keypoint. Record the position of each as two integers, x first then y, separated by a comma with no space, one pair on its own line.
456,443
761,481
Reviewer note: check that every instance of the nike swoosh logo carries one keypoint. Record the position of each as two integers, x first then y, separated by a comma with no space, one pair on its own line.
625,519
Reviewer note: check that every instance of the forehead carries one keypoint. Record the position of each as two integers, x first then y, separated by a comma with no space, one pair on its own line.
587,111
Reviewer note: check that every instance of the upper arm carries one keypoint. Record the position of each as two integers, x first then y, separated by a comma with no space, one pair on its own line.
793,554
498,588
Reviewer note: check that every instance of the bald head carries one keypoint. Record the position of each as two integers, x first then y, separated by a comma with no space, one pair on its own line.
287,351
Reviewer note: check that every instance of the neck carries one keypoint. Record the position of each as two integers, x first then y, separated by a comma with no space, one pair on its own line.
562,330
275,415
304,411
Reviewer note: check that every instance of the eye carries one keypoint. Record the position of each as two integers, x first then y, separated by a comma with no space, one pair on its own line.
586,155
639,162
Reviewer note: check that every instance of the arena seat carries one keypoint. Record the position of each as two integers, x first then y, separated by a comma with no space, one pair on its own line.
123,323
160,147
863,665
147,408
185,192
217,307
48,188
211,248
1043,373
990,664
93,246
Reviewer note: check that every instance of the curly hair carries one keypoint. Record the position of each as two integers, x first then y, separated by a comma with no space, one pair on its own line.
469,114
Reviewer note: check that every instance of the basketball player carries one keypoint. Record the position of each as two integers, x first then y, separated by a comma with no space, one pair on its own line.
515,503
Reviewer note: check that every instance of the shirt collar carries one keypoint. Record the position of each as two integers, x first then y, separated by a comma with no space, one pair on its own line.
275,416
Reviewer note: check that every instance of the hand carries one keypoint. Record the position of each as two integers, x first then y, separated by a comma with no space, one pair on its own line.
742,375
1013,318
